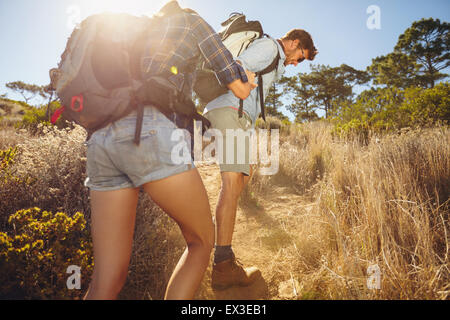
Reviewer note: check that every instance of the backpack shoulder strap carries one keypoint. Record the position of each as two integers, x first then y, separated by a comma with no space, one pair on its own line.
273,65
268,69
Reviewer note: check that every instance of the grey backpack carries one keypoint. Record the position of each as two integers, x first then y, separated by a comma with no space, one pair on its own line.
98,80
94,80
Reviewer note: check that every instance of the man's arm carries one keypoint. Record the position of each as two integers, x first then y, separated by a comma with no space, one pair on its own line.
227,70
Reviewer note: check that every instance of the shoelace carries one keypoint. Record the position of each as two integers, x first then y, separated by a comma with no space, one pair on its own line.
237,263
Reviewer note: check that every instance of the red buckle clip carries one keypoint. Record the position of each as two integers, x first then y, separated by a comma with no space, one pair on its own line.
76,99
57,114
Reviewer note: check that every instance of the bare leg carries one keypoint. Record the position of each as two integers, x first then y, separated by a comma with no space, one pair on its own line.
232,186
226,272
112,219
183,197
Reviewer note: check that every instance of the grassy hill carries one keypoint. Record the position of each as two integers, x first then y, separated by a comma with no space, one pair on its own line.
12,111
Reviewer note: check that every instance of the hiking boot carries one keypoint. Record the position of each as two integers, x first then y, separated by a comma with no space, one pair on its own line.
231,273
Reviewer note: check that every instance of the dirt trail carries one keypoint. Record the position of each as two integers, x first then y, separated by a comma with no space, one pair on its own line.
258,240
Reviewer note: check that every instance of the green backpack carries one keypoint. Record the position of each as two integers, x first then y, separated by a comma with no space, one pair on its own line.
237,34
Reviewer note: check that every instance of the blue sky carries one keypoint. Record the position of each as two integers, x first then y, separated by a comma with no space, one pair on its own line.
33,33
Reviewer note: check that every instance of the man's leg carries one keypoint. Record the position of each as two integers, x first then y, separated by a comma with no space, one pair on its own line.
232,186
225,270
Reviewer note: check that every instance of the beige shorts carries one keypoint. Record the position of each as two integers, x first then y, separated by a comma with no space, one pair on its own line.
228,118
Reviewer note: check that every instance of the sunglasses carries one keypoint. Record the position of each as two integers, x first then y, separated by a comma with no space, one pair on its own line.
303,56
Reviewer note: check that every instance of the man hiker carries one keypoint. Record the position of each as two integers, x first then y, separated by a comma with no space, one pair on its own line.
296,46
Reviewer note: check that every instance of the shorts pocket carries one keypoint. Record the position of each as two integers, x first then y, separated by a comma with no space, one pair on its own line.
124,129
173,146
131,159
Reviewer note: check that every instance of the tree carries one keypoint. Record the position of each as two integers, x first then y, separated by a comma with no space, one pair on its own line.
428,42
273,101
306,116
28,91
395,69
392,108
302,104
324,88
421,52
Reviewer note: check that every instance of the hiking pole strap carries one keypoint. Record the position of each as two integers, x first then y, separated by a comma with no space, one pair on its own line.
261,96
206,124
270,68
241,107
139,120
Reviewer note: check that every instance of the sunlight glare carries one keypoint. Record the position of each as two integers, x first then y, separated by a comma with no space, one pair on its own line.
135,7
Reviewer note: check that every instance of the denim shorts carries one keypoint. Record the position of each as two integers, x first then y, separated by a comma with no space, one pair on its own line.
115,162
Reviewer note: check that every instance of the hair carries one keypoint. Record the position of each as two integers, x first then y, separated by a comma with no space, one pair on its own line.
304,38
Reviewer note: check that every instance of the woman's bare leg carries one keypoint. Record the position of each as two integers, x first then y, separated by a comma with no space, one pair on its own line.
183,197
112,225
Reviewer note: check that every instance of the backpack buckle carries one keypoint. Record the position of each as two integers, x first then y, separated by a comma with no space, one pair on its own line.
75,100
57,114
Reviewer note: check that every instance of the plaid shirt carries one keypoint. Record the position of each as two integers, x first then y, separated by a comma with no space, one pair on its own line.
178,40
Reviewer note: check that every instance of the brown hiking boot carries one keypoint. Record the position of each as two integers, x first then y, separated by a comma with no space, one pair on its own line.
231,272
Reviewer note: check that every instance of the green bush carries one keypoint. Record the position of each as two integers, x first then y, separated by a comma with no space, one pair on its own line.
34,257
36,119
429,106
358,128
391,109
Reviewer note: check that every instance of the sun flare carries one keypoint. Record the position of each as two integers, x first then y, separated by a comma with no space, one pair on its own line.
136,7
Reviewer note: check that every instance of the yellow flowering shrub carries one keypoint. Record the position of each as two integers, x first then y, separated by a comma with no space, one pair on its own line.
7,158
44,171
35,120
34,257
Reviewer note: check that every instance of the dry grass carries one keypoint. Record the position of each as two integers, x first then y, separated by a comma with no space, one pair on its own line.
386,203
305,155
48,172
